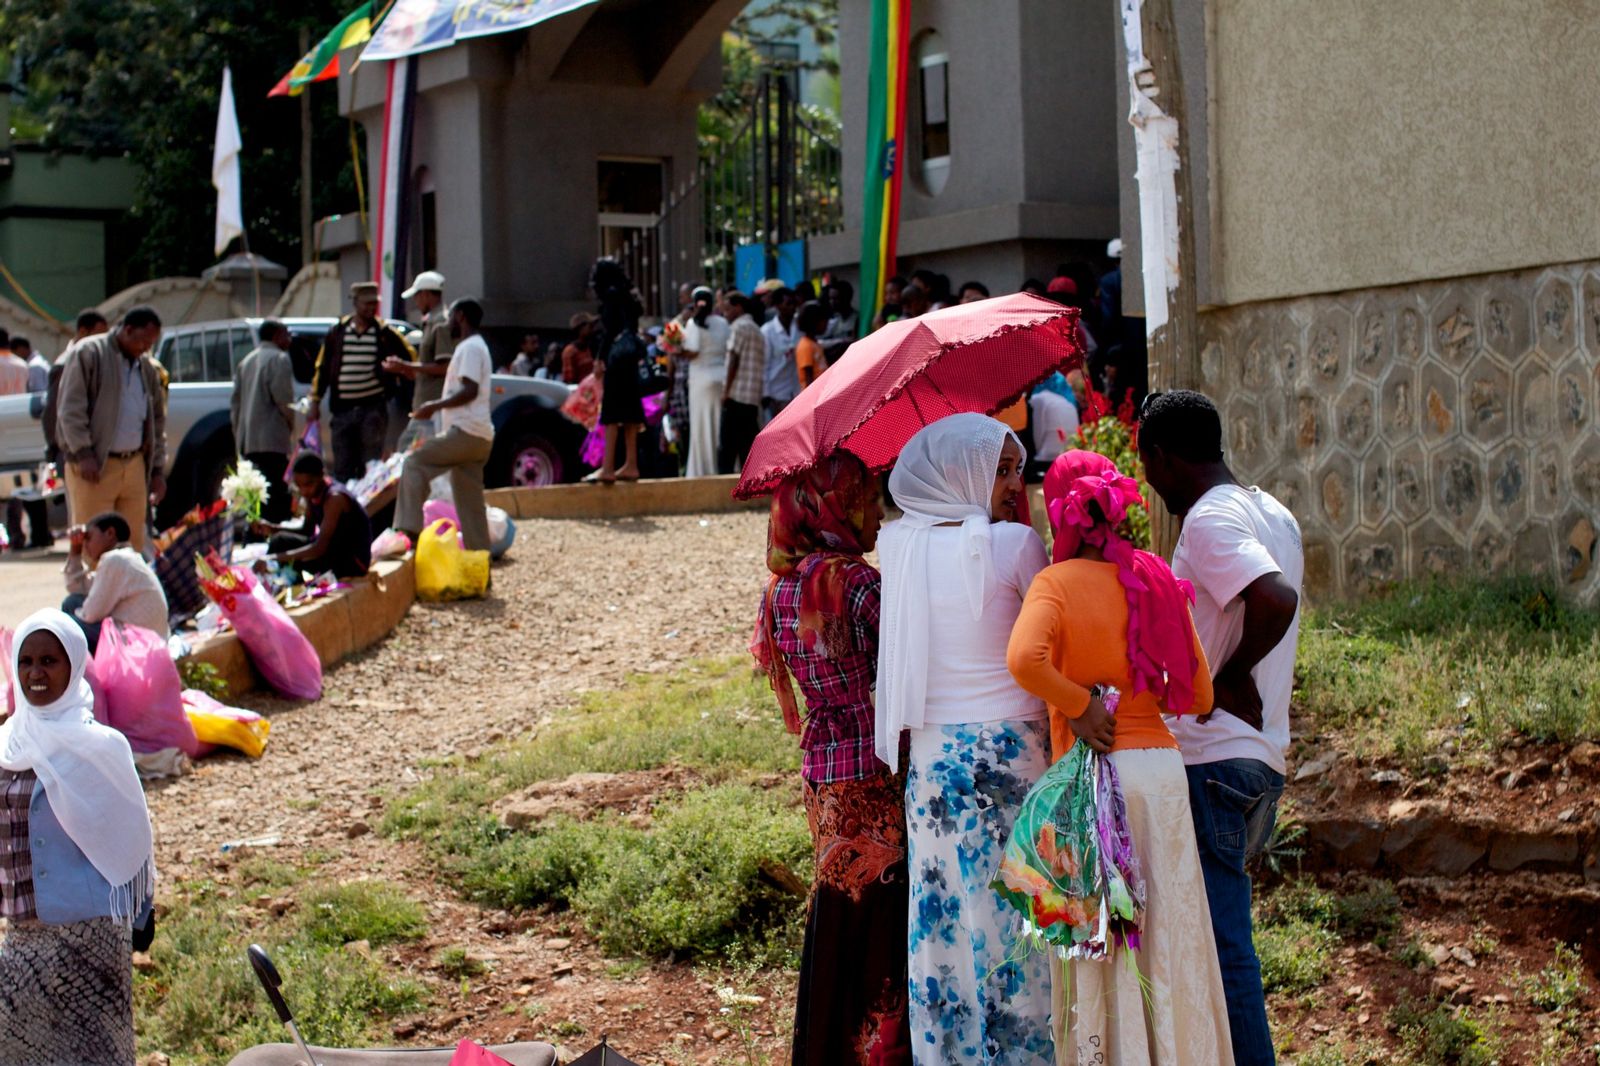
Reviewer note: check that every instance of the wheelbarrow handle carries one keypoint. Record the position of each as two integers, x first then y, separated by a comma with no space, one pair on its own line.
270,980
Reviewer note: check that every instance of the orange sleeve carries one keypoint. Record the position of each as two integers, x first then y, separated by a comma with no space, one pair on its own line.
1203,697
1030,656
805,354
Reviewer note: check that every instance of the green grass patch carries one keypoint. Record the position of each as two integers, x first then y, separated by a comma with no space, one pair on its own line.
1436,1034
718,718
692,883
455,961
1479,662
1561,985
1298,925
200,1002
374,911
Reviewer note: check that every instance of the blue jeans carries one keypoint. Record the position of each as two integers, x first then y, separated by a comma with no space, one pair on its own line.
1235,804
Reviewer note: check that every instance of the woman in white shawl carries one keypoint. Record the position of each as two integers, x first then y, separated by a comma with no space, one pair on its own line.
955,570
77,871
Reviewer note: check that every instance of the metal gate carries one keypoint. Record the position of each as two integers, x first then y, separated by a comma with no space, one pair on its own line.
777,179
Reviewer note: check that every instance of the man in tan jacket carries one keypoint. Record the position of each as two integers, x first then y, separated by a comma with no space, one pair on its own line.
112,424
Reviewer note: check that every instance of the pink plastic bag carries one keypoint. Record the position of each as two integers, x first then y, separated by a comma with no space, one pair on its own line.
141,695
434,510
282,654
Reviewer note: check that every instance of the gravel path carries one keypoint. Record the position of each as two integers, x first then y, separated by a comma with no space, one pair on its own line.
575,606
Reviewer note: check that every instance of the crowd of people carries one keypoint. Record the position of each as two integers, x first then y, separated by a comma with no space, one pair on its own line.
935,691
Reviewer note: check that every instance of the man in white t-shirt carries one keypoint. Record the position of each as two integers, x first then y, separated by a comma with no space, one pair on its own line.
1055,424
1241,549
466,435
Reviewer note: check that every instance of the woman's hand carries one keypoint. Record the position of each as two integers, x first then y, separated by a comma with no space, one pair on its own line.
1095,726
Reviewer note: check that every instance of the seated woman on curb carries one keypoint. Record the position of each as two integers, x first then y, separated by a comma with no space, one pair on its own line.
335,536
106,578
77,867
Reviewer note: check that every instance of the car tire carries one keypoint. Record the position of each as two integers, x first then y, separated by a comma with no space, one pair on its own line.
532,461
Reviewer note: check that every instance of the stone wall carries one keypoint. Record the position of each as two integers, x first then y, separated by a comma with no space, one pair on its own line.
1441,427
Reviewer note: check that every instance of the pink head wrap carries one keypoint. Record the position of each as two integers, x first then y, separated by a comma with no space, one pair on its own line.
1160,645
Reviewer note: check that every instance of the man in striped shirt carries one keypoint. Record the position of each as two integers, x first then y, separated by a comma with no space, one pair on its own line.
350,373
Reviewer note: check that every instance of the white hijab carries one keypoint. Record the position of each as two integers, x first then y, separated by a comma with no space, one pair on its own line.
944,474
86,769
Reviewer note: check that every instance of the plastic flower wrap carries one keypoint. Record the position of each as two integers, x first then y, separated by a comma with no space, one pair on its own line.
245,490
671,339
1069,866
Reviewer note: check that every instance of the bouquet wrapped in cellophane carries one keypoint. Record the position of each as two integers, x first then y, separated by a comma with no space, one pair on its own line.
1069,866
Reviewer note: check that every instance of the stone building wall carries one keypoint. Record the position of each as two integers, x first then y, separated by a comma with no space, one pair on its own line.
1433,428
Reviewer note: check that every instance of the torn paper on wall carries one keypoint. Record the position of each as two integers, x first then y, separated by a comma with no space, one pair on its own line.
1155,139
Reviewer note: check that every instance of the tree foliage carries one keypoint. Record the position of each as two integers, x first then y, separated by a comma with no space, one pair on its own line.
141,78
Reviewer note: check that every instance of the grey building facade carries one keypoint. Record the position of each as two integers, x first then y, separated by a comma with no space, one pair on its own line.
1011,127
535,151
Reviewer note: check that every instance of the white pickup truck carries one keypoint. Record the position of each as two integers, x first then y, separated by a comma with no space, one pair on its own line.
534,443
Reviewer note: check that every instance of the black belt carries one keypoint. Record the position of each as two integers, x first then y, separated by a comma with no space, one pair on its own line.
125,455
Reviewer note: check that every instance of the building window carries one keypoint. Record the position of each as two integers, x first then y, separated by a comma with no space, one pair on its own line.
933,95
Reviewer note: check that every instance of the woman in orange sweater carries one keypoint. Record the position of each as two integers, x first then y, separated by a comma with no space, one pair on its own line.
1107,614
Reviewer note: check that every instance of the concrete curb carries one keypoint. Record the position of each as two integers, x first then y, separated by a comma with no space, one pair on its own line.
338,626
625,499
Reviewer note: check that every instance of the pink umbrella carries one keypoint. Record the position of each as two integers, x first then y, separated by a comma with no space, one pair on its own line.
972,357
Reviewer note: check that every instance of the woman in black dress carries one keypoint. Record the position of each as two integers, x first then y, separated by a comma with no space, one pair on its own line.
622,356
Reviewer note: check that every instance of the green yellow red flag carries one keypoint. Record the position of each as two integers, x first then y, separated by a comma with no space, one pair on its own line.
886,132
322,62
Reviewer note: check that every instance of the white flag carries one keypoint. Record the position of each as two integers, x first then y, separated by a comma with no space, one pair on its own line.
225,167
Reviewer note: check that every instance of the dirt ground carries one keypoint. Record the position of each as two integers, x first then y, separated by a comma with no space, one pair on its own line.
579,606
575,606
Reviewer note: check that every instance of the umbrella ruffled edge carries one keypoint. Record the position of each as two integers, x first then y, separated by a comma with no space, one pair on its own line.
1069,316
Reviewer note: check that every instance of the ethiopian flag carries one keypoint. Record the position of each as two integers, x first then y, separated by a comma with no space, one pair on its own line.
322,62
886,134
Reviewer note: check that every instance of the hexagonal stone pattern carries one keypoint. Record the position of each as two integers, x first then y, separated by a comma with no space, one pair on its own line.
1455,326
1432,428
1486,387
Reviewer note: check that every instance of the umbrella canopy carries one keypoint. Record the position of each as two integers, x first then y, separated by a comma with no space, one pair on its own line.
978,357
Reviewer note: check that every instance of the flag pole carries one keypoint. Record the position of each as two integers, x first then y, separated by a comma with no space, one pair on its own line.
305,160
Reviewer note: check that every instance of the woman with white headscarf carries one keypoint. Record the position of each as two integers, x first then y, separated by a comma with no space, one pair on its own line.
955,570
77,868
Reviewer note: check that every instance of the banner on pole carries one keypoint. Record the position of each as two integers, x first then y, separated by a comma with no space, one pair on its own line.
414,26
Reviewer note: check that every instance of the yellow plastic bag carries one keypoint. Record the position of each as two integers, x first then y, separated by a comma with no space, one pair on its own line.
446,570
230,727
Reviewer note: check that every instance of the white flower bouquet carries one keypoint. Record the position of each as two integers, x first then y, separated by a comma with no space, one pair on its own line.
245,490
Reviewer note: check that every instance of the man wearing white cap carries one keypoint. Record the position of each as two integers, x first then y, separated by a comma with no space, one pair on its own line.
433,354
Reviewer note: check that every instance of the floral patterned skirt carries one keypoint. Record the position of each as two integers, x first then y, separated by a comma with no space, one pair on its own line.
851,1007
977,997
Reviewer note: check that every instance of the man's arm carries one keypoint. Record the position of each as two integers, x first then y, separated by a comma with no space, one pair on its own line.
460,398
77,576
72,416
1269,606
104,591
280,386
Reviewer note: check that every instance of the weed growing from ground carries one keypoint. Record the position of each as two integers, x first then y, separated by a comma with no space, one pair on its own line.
456,961
1560,985
374,911
1436,1034
200,1003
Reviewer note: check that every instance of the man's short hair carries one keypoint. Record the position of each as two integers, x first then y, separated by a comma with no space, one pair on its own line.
845,290
784,293
470,309
309,464
113,523
269,329
89,318
5,338
17,342
976,286
1182,423
140,317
